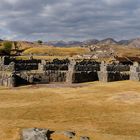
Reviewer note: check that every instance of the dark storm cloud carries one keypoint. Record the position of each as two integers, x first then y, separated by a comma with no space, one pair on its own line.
69,19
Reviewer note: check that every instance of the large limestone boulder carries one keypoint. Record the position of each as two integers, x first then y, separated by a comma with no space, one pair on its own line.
35,134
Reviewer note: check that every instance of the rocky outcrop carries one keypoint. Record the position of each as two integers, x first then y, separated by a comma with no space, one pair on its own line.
46,134
35,134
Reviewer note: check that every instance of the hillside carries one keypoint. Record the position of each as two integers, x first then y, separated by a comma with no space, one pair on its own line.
135,43
103,49
90,47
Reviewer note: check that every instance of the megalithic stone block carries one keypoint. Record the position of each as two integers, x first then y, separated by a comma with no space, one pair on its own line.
135,72
103,76
12,80
70,74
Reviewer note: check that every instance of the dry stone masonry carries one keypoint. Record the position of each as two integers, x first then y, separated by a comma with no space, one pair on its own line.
86,71
22,72
117,72
135,72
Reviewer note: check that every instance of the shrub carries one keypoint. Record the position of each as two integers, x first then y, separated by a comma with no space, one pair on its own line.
40,41
7,47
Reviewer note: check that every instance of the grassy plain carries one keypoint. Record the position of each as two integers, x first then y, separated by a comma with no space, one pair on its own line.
103,111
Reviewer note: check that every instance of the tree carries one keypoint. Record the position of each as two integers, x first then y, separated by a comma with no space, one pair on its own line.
7,47
40,41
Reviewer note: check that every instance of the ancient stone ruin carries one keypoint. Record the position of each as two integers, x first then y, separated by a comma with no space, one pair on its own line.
22,72
117,72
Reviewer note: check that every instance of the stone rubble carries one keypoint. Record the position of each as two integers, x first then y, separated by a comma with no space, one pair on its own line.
45,134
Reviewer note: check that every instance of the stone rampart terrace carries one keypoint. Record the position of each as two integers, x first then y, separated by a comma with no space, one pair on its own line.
22,72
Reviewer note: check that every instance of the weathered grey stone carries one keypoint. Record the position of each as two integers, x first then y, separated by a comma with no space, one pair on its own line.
84,138
12,80
113,72
135,72
35,134
136,64
69,134
70,74
31,79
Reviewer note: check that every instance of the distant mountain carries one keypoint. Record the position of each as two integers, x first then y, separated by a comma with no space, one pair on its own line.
108,41
91,42
124,42
63,43
78,43
134,43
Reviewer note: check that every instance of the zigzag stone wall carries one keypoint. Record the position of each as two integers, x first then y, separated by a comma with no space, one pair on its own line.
17,72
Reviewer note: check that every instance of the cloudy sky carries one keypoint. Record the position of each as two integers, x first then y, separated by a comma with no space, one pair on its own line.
69,19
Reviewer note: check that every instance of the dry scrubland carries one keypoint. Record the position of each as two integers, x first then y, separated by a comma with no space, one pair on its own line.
36,49
103,111
50,53
120,50
126,51
47,52
54,51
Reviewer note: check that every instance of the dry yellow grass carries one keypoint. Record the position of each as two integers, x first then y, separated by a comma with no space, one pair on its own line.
121,50
43,57
56,51
103,111
126,51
